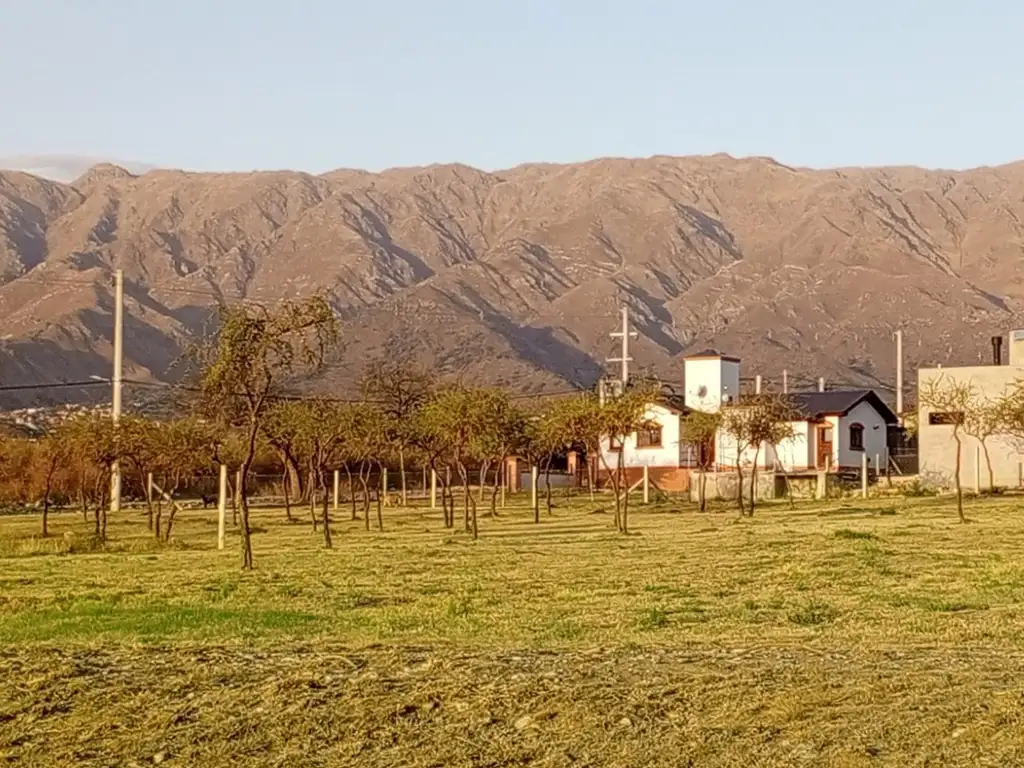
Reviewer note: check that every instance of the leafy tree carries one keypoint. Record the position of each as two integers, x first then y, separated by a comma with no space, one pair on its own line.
320,427
700,429
257,350
952,398
503,432
399,389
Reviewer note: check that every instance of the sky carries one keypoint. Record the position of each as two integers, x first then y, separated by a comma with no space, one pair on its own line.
316,85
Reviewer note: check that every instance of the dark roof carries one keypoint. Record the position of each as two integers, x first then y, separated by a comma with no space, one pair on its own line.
838,402
673,402
711,353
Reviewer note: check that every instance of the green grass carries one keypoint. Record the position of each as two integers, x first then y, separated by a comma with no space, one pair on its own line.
571,580
877,633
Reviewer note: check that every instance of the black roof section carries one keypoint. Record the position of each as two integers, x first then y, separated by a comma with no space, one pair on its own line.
711,353
838,402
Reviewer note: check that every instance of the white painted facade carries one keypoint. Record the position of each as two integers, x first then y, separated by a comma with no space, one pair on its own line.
937,448
667,455
709,380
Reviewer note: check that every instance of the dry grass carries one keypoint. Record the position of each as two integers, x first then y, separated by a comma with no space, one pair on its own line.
847,633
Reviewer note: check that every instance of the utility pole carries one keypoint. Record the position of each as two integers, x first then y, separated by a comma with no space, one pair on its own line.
899,375
785,382
115,411
624,358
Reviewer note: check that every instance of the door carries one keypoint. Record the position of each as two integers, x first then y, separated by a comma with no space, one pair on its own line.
825,447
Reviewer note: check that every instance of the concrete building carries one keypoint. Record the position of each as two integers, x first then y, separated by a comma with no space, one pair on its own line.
936,445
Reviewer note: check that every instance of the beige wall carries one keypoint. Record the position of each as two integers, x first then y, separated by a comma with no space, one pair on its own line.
937,449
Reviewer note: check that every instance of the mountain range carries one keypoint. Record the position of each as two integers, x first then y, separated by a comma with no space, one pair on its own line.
517,277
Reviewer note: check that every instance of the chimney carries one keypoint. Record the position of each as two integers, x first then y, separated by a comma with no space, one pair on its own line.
821,384
997,350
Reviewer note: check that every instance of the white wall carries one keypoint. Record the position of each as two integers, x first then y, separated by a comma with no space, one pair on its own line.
937,449
665,456
795,452
875,437
720,377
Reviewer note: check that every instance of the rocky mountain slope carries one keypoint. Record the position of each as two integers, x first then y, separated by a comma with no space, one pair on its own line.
516,277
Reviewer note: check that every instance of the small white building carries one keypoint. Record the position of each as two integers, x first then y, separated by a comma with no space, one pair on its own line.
836,429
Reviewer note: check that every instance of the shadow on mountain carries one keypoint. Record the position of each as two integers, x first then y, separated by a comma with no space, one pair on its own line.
539,346
36,362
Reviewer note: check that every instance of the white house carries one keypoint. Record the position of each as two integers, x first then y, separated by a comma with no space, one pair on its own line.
835,430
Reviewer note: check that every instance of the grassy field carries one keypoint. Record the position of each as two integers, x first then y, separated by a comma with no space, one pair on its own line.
846,633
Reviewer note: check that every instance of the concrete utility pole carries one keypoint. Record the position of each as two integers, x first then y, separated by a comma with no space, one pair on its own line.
625,335
899,375
757,384
115,410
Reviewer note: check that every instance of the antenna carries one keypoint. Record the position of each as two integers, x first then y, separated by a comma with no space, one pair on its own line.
625,335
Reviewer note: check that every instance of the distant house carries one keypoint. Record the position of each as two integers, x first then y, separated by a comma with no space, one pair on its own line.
937,451
835,429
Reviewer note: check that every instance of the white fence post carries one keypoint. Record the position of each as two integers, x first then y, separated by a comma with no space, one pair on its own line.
647,485
977,470
337,482
863,475
433,489
533,487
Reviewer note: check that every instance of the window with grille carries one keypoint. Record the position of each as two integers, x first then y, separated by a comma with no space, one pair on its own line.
856,437
649,438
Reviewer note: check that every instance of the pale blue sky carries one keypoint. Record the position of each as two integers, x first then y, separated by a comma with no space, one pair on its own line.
311,84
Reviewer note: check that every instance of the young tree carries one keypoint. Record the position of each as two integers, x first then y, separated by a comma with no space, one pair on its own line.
771,423
983,419
617,419
504,427
282,427
737,424
952,399
257,350
91,441
700,429
178,445
399,389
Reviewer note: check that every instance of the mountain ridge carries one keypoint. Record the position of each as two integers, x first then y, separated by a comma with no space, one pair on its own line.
516,276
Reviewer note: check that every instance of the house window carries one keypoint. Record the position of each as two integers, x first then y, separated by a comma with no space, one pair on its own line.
614,444
939,418
856,437
649,438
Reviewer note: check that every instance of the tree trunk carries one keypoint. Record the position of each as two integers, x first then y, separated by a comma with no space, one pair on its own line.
498,469
702,489
328,544
988,462
753,481
83,502
613,478
380,499
243,497
739,480
364,481
351,491
46,504
311,487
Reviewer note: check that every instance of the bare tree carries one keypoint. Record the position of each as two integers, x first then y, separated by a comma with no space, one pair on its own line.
399,389
257,350
948,402
700,429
